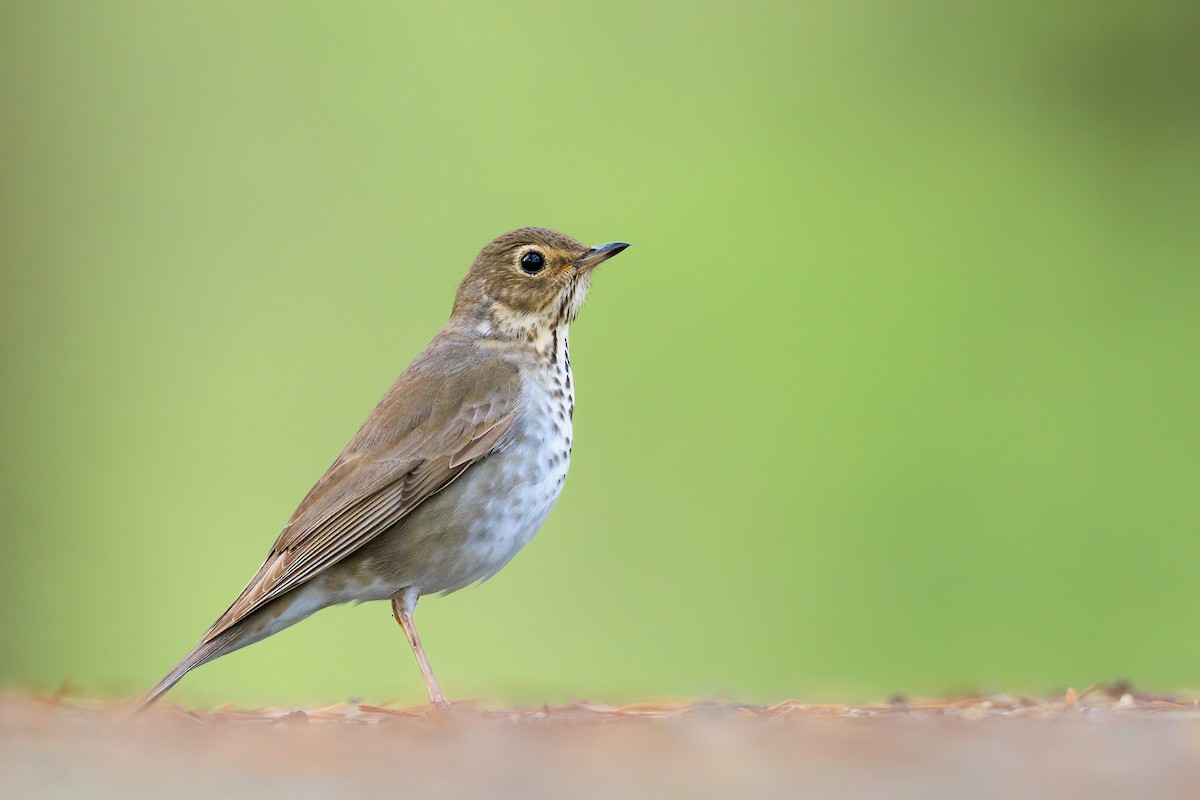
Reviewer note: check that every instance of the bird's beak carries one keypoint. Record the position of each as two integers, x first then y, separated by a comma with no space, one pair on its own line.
599,254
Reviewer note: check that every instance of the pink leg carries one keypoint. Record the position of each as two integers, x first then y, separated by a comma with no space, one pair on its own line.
402,609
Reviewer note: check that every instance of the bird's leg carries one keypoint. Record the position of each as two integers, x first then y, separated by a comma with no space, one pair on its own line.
403,606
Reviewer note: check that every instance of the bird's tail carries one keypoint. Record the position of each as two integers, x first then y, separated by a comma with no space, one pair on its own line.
206,651
272,618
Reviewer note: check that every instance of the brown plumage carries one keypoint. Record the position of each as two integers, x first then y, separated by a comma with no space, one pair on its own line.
454,469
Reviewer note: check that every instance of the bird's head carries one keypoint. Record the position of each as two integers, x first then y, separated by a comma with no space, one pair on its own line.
530,279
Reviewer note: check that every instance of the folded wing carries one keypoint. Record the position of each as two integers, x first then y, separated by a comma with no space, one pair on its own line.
426,431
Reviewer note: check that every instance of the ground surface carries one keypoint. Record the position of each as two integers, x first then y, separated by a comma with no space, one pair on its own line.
1099,743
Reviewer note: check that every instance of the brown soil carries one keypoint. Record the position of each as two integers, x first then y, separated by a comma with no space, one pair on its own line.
1105,742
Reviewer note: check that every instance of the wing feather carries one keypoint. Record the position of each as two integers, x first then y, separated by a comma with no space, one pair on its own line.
426,431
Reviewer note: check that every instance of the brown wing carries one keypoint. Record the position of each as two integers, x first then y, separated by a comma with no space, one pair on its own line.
426,431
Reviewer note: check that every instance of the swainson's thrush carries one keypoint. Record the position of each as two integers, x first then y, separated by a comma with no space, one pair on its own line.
454,470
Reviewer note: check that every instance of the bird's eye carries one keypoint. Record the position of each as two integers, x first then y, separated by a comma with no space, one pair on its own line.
532,262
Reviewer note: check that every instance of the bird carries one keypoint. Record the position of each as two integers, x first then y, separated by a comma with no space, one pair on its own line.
454,470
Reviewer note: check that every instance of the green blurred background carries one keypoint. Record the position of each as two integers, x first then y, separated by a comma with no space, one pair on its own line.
896,391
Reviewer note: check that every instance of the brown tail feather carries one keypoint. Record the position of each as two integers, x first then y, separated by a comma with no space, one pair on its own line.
204,652
277,615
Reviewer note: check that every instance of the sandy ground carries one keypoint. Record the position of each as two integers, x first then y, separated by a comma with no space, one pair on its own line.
1095,744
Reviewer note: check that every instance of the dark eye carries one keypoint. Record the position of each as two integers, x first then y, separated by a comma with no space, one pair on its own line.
532,262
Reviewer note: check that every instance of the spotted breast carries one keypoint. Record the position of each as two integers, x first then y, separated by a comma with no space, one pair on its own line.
517,485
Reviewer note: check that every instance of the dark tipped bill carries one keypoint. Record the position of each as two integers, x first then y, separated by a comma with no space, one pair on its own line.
599,254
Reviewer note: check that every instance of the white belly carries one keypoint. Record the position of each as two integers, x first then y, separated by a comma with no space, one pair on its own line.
517,486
